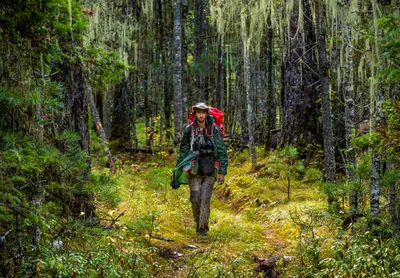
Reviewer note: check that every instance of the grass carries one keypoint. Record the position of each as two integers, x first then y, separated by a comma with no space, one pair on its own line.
155,237
250,217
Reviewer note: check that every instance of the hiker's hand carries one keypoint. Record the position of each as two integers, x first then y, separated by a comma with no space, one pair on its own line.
221,178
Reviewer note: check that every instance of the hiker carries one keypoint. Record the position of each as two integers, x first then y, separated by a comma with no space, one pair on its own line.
203,158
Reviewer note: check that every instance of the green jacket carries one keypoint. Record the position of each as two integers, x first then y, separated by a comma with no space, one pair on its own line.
186,157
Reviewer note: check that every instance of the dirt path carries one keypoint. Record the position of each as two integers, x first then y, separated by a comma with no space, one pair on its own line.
237,235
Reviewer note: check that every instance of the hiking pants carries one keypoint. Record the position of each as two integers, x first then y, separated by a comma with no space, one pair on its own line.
201,188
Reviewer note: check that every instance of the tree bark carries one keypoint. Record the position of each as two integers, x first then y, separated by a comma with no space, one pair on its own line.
329,150
301,113
99,126
162,69
200,42
178,72
375,187
270,103
107,108
349,119
121,119
250,118
261,98
76,105
241,102
185,73
220,72
134,108
394,208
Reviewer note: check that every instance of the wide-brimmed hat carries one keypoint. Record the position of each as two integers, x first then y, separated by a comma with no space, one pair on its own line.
201,105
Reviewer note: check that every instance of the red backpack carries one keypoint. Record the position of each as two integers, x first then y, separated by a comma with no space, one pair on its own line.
216,113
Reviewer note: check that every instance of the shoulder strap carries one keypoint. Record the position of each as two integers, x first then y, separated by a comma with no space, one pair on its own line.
191,136
212,130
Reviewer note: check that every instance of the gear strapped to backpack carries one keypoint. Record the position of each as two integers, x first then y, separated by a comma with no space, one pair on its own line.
205,149
204,141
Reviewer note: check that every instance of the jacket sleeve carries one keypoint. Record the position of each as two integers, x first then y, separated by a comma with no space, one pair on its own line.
185,145
221,151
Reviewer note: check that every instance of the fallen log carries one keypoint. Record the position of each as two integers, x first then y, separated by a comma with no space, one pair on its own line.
147,150
268,265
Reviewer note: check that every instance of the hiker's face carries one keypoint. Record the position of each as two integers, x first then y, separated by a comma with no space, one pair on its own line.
201,115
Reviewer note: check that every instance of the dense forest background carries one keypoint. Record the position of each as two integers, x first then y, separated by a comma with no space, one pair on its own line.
309,89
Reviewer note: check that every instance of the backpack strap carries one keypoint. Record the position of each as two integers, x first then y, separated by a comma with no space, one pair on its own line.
191,136
212,130
192,131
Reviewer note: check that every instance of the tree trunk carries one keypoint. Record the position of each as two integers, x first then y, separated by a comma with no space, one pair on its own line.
99,126
375,185
250,119
329,150
270,103
242,98
230,107
76,105
338,107
134,108
220,72
394,208
121,119
178,72
185,73
107,108
261,97
301,113
162,94
161,46
349,119
200,32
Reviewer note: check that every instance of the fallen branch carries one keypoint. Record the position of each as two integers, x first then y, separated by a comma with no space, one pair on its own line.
268,265
163,238
99,126
148,150
3,238
113,220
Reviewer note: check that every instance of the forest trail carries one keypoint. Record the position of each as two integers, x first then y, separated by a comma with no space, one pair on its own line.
240,228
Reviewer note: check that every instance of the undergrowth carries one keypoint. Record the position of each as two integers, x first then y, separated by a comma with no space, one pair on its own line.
144,228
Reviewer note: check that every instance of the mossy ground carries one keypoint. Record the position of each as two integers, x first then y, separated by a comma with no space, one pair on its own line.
251,217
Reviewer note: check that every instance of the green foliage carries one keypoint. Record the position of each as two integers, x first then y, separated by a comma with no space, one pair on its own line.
355,255
366,141
312,175
104,67
290,166
389,177
308,220
389,134
240,158
383,140
105,187
391,44
359,185
243,181
104,258
147,224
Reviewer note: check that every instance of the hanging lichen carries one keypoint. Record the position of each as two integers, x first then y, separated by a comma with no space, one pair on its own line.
224,15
